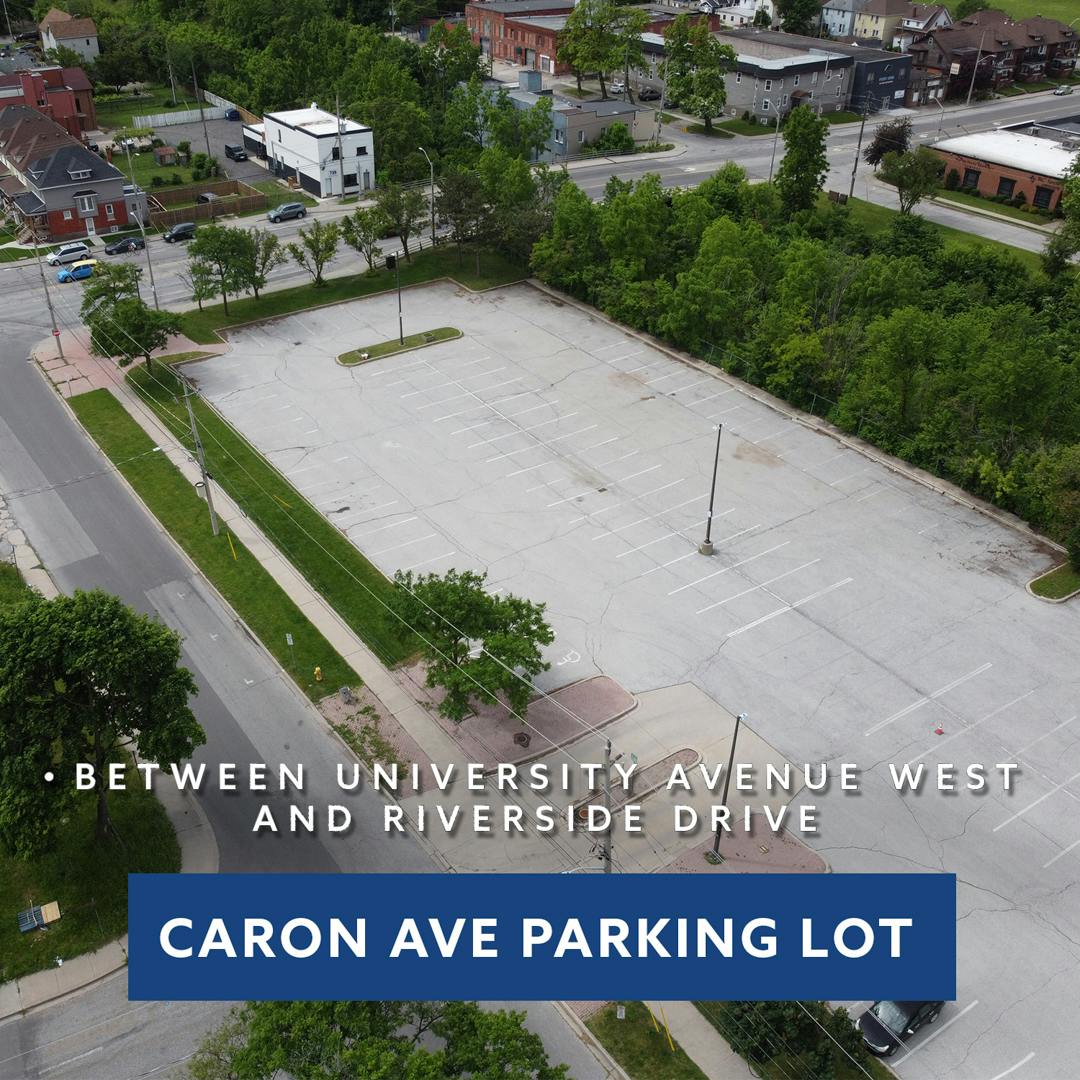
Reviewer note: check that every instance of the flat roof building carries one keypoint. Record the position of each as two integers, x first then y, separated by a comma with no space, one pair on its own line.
324,155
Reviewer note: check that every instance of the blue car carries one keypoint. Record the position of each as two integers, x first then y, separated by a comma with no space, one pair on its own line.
78,271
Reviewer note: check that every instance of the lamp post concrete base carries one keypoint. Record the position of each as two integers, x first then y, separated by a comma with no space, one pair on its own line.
706,547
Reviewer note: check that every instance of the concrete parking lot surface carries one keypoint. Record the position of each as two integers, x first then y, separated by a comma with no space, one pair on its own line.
850,611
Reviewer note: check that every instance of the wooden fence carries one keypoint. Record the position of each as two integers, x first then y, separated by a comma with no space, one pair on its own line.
173,205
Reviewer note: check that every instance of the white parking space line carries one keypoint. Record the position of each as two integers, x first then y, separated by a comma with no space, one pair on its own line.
612,345
428,562
468,393
790,607
766,438
570,435
521,431
944,1027
633,498
1012,1068
529,468
688,386
659,513
1061,854
392,525
871,494
670,562
713,397
633,476
1064,723
532,408
571,498
407,543
642,547
733,566
936,525
850,476
614,438
621,457
661,378
472,427
746,592
306,468
971,727
928,698
1031,806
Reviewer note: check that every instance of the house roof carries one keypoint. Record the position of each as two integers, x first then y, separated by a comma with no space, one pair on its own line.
64,27
523,7
44,153
315,121
887,7
76,79
1012,149
923,13
804,43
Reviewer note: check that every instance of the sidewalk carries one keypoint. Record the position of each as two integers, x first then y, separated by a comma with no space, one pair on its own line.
702,1042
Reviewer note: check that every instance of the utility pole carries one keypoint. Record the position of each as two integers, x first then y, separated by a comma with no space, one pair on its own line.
168,64
394,263
202,460
706,547
340,150
776,139
7,19
727,776
660,111
48,298
202,115
975,69
431,168
142,228
608,762
858,148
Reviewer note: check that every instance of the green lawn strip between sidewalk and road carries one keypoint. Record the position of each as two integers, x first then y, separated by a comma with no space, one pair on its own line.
638,1047
395,345
719,131
1060,582
12,586
202,326
318,550
963,198
246,585
276,194
87,878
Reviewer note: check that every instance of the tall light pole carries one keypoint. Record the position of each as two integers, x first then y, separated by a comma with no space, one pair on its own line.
199,100
706,547
393,263
727,776
48,297
975,68
776,139
431,167
858,148
142,227
7,19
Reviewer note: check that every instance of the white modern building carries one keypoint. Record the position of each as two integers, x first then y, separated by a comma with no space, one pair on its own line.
325,157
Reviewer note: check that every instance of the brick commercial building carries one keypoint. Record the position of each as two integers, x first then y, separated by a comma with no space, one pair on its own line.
517,42
1009,164
54,183
62,94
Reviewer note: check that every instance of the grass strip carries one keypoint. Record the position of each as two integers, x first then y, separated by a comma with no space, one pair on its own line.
241,579
638,1047
202,326
1060,582
86,877
12,587
355,588
1028,216
396,345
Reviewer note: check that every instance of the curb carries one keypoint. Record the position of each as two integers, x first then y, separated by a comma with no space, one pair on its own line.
1050,599
978,211
614,1070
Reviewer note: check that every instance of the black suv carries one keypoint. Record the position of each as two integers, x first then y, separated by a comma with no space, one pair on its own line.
236,153
184,231
886,1024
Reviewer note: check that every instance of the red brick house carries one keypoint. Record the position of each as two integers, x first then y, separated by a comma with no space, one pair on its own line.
53,182
62,94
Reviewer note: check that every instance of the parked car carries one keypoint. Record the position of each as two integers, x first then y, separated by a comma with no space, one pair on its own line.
886,1024
236,153
232,114
1062,90
648,93
125,243
184,230
68,253
206,197
27,35
76,271
286,211
618,86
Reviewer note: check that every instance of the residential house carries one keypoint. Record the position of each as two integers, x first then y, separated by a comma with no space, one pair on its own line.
878,79
877,22
324,155
838,17
733,14
920,19
1011,164
53,182
75,33
62,94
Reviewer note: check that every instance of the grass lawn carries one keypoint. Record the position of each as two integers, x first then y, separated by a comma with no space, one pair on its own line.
87,879
182,357
1052,9
842,117
390,348
118,112
252,592
962,198
876,218
638,1047
276,194
145,168
738,126
12,587
15,254
718,131
202,326
321,553
1058,583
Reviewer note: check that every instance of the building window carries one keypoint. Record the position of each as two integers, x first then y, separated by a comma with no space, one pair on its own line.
813,79
796,80
738,76
1042,198
1006,187
109,212
971,178
581,136
335,154
361,151
839,91
67,215
560,136
765,105
784,100
768,85
85,204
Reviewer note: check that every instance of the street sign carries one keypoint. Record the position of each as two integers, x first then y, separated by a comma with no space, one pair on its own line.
288,639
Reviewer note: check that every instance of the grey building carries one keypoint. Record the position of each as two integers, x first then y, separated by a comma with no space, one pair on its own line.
878,80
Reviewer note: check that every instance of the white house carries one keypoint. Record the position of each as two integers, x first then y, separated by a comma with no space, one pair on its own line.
310,146
78,34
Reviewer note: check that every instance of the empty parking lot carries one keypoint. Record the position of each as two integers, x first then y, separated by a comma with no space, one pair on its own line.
850,611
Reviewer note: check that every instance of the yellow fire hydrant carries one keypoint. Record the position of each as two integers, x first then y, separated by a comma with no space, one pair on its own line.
318,674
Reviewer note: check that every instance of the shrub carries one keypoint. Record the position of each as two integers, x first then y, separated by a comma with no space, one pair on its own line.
952,180
1072,546
157,180
176,178
1019,199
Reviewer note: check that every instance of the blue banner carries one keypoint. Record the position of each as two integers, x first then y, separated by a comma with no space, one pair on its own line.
755,937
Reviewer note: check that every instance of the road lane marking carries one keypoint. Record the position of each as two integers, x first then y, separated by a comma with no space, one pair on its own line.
790,607
928,698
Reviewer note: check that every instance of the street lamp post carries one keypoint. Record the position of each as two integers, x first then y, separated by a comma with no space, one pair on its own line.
727,776
706,547
142,227
975,67
776,139
392,264
431,168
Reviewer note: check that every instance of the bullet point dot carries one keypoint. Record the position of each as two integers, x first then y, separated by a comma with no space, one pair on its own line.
49,778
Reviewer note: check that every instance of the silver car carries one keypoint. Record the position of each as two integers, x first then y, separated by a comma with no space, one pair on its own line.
68,253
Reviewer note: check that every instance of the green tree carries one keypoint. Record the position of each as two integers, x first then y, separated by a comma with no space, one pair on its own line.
602,36
452,613
799,16
521,132
121,325
463,132
916,175
80,676
463,207
362,230
706,93
1063,245
258,253
201,282
678,67
405,210
570,254
802,172
221,250
892,135
317,248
